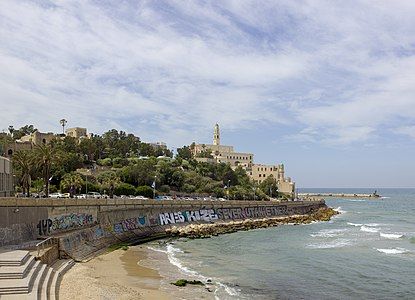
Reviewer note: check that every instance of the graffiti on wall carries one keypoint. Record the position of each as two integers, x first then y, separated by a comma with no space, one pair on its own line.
64,222
206,215
129,224
251,212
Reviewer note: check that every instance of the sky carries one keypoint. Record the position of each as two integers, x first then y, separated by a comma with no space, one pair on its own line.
325,87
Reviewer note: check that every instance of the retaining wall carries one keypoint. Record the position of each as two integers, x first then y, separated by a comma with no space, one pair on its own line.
86,225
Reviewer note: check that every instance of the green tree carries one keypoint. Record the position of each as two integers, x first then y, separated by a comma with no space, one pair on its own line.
184,152
71,179
269,186
44,156
145,191
24,163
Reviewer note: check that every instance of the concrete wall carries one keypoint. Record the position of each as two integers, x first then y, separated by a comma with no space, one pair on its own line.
87,225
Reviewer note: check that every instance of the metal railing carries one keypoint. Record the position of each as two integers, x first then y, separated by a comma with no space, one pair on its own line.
47,242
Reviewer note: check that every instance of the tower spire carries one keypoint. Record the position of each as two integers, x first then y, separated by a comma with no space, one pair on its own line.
216,135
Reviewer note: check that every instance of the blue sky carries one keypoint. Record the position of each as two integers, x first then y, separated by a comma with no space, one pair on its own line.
327,87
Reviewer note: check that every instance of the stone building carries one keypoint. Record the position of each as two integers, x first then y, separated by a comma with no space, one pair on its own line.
76,132
38,138
6,178
28,142
257,172
223,154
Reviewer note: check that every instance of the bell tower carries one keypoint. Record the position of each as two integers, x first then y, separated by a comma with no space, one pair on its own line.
216,135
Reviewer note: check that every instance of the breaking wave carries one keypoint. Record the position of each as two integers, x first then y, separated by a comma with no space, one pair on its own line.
171,255
329,245
328,233
392,236
368,229
339,209
393,250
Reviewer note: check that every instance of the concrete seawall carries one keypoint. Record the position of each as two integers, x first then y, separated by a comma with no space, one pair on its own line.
84,226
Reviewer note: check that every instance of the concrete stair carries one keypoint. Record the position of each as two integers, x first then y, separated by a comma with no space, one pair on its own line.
23,277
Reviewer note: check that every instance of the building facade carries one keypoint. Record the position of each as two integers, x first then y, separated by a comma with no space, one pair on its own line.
223,154
6,178
76,132
256,172
38,138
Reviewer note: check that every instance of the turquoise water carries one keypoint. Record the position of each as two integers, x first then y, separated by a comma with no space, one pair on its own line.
367,252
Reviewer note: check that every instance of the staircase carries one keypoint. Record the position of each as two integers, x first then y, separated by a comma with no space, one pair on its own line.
23,277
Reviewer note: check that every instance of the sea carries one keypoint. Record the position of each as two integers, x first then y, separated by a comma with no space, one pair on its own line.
365,252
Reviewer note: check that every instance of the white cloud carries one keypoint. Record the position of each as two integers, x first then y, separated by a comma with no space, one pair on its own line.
334,72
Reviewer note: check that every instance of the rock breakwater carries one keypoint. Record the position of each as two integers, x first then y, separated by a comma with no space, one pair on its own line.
214,229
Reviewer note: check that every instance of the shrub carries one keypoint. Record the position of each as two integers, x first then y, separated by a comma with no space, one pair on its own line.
145,191
124,189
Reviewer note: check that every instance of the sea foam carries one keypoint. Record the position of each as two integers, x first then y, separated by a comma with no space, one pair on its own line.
354,224
339,209
368,229
392,236
329,245
393,251
329,233
171,255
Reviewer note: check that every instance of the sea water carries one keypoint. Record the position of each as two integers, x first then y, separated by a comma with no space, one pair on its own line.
366,252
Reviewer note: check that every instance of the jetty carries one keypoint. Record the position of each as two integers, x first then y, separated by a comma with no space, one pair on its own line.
338,195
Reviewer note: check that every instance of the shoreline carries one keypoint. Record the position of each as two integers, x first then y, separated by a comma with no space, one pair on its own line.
145,272
140,272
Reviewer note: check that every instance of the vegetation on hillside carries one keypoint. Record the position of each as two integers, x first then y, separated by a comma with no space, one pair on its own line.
122,163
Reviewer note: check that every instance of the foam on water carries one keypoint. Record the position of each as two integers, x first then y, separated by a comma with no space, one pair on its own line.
339,209
339,243
171,254
369,229
329,233
393,250
392,236
354,224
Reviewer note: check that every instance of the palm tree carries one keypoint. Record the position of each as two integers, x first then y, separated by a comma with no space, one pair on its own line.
23,160
44,157
63,123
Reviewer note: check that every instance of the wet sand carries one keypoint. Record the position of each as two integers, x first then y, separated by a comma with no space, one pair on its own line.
115,275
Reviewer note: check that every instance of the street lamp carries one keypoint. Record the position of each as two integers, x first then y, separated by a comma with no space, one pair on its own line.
154,187
229,185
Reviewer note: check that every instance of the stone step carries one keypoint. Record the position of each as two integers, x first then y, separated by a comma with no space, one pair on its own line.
60,268
43,290
37,284
23,285
18,271
51,289
13,258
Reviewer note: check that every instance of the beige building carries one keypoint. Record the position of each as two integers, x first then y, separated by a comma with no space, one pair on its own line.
257,172
38,138
6,178
223,154
76,132
28,142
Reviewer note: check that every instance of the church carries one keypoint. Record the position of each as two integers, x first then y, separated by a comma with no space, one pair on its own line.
257,172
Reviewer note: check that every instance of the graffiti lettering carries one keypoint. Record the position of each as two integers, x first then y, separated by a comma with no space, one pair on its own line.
64,222
188,216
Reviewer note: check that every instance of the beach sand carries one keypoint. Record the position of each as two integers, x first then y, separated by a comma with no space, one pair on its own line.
136,273
114,275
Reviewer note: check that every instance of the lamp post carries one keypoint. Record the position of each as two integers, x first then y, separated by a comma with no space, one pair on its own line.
154,187
229,185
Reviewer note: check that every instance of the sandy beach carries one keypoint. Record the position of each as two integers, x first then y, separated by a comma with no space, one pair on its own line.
114,275
136,273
